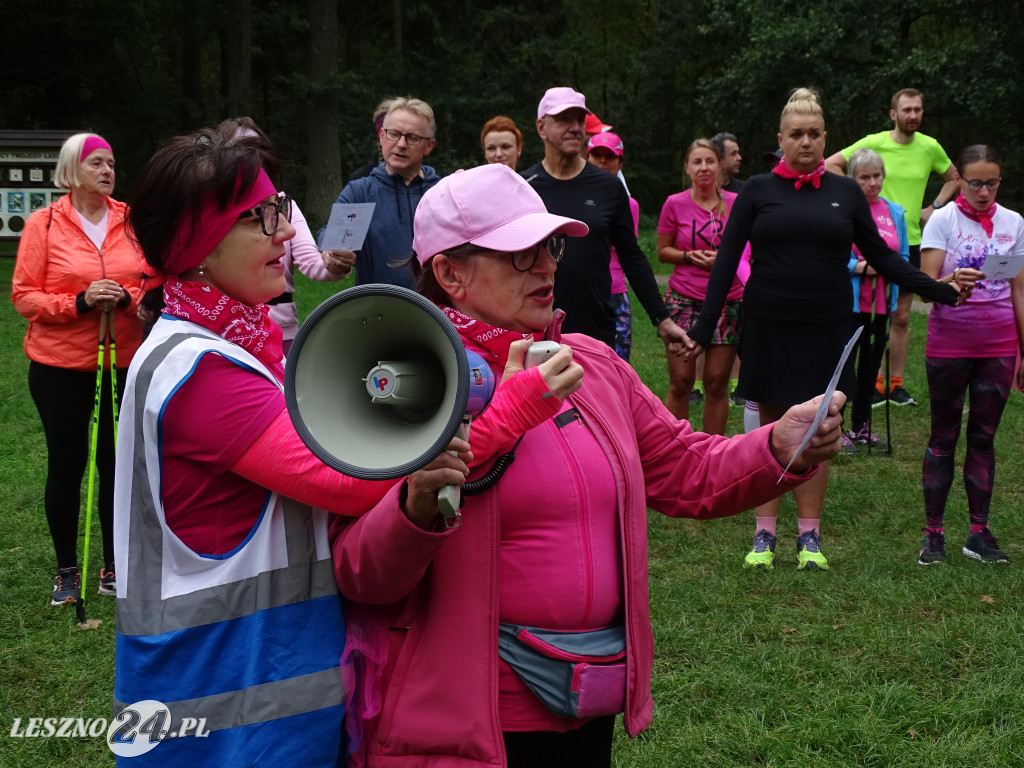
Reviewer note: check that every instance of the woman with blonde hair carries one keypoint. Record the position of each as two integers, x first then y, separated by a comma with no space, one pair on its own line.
800,223
689,231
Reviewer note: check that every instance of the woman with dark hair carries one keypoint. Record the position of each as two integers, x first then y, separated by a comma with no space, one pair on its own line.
301,251
452,630
971,348
800,222
76,269
227,609
501,141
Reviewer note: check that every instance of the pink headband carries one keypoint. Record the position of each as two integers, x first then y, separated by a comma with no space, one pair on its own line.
91,144
195,240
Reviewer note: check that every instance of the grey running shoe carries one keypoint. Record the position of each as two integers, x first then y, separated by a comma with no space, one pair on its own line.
808,552
933,548
984,547
67,586
900,396
108,582
762,555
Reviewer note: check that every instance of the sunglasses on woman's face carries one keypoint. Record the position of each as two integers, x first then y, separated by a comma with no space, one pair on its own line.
270,213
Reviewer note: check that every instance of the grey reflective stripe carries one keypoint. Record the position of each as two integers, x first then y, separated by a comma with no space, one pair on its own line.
143,571
144,611
224,602
258,703
298,530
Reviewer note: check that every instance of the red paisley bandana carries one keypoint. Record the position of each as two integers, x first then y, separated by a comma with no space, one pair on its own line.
813,178
249,327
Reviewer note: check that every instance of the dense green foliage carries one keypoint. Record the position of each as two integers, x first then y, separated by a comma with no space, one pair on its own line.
662,72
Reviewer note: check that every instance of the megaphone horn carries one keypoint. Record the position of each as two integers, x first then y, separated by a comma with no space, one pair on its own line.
378,382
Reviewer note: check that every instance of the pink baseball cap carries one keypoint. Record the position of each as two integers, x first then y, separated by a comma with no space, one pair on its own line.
491,206
608,140
594,124
557,100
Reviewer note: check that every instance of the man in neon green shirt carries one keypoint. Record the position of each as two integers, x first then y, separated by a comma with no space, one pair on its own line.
910,157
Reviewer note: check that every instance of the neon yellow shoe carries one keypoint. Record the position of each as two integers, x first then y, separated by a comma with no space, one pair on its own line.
808,552
762,555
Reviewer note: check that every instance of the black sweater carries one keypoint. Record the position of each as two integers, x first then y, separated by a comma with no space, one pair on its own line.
583,283
800,250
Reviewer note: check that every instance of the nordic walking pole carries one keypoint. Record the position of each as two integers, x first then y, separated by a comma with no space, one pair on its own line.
888,330
114,402
80,605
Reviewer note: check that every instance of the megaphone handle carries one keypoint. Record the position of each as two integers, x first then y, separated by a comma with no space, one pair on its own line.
449,498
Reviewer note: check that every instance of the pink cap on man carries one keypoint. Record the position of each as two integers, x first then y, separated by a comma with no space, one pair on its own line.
557,100
491,206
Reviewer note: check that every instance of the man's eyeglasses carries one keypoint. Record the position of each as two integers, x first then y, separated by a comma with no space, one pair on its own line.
524,261
394,136
270,213
977,184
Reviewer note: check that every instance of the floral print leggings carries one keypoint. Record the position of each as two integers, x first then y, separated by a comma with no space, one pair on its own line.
949,379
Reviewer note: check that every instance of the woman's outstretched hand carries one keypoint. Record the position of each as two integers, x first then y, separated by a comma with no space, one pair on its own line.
789,431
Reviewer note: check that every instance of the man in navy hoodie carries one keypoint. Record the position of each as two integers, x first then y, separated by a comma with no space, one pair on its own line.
396,186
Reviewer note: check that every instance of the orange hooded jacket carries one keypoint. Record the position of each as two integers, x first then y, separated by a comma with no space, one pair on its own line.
56,262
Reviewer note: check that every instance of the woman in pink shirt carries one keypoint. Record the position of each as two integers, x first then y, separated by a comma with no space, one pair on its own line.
689,231
450,627
970,347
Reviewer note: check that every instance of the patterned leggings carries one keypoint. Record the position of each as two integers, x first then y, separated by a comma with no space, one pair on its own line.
989,380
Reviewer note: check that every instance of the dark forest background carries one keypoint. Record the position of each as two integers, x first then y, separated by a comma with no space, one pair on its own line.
310,72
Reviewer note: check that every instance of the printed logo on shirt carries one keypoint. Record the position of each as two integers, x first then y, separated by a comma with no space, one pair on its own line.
1004,237
835,205
591,203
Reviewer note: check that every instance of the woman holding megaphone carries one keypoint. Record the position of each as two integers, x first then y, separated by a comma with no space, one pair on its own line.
516,638
227,610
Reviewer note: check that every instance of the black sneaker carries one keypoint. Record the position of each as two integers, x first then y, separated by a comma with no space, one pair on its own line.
933,548
737,401
108,584
900,396
877,399
984,547
67,586
696,397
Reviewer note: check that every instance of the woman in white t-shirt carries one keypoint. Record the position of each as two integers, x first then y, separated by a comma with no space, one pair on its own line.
972,347
689,231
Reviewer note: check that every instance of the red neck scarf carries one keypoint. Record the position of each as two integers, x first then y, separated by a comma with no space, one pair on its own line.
494,340
982,217
813,178
249,327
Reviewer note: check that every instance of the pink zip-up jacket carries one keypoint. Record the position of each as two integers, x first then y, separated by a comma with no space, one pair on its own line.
421,659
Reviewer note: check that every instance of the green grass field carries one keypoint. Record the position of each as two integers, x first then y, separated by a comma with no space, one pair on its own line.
878,662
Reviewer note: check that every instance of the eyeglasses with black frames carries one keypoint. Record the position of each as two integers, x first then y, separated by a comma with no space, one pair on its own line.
977,184
270,213
412,139
524,261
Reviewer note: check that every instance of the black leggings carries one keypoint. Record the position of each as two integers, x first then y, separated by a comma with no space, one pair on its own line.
869,353
64,399
587,747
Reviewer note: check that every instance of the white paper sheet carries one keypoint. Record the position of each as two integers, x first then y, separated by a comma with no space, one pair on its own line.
347,226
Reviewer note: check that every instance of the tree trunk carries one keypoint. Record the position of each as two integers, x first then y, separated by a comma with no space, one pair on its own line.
323,180
239,58
191,113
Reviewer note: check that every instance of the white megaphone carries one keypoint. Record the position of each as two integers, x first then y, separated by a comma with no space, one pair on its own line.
378,382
